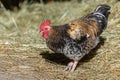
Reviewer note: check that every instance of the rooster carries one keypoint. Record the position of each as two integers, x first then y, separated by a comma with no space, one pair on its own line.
78,37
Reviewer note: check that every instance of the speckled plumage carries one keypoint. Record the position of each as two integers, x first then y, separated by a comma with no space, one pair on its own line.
73,49
80,36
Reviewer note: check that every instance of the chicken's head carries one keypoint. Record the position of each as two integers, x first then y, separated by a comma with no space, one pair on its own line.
45,28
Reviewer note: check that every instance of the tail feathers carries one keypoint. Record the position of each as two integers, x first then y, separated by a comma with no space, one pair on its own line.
102,6
101,13
103,10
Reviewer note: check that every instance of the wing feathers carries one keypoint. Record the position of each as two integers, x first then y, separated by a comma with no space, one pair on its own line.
81,28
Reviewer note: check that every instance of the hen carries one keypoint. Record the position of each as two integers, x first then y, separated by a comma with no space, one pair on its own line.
78,37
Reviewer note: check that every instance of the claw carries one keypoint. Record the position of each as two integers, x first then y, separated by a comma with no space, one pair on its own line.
71,66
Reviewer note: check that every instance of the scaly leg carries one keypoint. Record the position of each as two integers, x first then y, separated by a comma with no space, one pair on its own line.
71,66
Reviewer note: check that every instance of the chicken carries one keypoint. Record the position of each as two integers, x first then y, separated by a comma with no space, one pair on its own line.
78,37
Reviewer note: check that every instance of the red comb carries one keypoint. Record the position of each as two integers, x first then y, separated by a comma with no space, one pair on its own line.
45,23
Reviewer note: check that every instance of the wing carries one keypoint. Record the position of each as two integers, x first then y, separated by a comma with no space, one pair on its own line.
83,28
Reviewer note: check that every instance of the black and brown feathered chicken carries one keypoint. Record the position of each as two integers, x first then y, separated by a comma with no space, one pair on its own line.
78,37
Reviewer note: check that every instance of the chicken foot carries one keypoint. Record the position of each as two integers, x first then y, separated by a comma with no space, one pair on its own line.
71,66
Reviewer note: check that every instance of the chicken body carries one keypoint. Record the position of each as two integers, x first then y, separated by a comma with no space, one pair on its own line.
61,42
78,37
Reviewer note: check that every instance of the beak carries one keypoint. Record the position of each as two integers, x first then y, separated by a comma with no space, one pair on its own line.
41,32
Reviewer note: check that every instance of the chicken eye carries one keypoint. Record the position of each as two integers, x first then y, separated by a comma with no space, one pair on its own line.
46,28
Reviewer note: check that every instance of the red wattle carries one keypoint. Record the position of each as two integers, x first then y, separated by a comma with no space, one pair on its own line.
45,34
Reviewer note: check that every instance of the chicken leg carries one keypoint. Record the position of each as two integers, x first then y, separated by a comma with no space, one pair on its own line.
71,66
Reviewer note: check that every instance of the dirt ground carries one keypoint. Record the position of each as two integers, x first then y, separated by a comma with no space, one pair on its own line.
24,55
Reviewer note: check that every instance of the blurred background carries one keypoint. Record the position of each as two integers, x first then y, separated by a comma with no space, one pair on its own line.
21,42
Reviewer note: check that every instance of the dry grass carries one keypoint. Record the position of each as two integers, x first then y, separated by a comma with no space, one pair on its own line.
23,53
